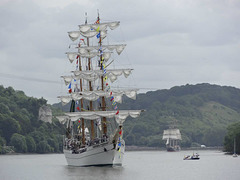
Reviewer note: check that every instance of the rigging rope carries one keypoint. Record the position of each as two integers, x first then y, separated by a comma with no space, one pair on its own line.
12,76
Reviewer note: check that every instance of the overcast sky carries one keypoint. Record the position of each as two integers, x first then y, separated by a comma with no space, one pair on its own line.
169,42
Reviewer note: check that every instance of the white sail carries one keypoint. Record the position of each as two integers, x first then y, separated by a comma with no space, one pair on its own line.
74,35
84,54
120,117
89,54
103,34
72,56
92,75
112,74
62,119
167,142
171,134
95,95
91,30
86,51
118,48
98,27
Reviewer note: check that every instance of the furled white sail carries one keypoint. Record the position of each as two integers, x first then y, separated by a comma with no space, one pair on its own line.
92,75
89,34
73,55
118,48
74,35
172,134
98,27
112,74
120,117
91,30
89,55
95,95
62,119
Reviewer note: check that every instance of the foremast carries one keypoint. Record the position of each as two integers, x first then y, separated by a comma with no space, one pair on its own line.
90,89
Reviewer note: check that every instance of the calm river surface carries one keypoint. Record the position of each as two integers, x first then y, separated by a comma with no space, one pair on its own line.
138,165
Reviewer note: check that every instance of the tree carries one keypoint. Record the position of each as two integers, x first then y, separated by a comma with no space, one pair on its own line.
214,137
19,143
4,109
37,136
43,147
54,144
8,126
24,122
155,141
233,132
2,143
31,145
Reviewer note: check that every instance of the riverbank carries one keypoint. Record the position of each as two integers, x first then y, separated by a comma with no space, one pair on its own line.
142,148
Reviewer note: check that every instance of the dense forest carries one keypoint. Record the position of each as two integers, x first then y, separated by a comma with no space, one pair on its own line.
202,112
205,114
21,130
233,132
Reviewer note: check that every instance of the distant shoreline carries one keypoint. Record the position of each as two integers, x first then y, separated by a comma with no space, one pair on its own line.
141,148
132,148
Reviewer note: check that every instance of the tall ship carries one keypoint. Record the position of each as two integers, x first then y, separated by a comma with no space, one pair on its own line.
173,138
94,124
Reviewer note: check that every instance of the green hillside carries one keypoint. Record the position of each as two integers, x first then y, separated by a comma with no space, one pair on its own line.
202,112
20,129
205,114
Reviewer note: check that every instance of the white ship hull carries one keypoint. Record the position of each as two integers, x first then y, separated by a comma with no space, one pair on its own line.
103,155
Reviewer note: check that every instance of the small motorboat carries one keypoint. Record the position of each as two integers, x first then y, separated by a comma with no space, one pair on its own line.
193,157
235,155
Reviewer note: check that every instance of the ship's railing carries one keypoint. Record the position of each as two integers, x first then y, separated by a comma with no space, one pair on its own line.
77,146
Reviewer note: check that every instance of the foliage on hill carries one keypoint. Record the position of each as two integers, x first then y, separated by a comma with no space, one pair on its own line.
202,112
20,127
233,132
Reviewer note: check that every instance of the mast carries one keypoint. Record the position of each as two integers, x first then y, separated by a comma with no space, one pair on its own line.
104,120
83,125
90,89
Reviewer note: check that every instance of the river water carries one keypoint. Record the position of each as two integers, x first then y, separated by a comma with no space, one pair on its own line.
137,165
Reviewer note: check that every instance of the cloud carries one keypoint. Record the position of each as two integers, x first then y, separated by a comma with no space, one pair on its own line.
168,42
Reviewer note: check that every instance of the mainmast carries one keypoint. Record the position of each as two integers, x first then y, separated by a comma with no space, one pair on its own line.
103,107
83,125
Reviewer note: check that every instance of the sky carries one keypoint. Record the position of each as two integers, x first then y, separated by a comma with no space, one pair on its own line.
169,42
